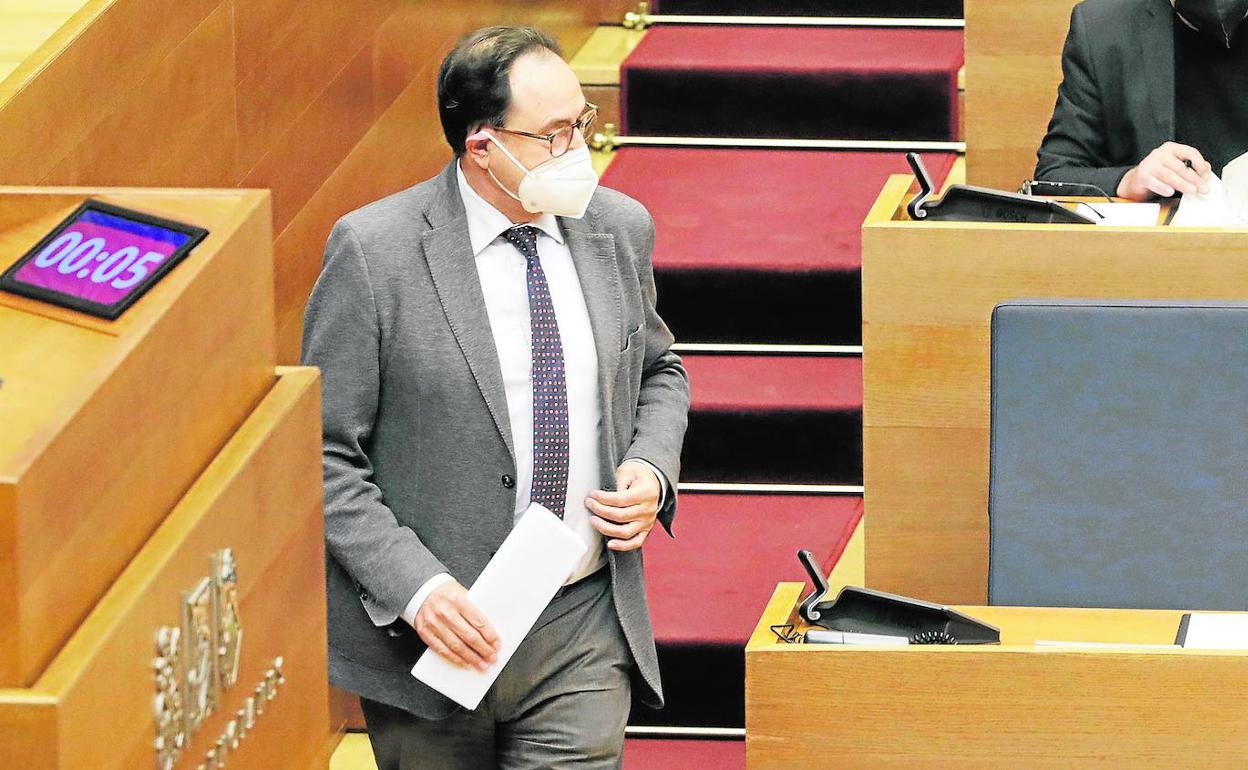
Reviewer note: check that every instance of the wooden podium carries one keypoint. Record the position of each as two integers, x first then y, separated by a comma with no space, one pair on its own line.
106,424
928,291
162,597
1014,705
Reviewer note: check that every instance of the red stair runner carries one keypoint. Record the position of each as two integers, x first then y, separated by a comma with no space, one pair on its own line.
811,82
709,584
945,9
683,754
773,383
773,210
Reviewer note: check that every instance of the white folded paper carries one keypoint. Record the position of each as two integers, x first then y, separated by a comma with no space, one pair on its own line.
513,589
1217,631
1226,203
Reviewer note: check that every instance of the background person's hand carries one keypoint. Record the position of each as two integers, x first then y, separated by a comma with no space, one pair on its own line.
1164,173
627,515
454,628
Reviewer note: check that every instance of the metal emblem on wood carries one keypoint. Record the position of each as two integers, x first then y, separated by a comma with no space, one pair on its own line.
229,626
199,653
170,725
198,661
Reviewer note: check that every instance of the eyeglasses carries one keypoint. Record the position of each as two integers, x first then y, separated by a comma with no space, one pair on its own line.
561,139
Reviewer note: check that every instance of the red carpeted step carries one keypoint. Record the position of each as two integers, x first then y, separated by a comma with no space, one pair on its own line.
774,419
944,9
809,82
759,245
708,585
774,210
683,754
738,383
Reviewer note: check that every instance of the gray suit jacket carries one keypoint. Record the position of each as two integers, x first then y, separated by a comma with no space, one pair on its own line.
418,454
1116,101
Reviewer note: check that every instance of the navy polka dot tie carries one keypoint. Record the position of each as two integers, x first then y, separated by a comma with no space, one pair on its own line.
550,392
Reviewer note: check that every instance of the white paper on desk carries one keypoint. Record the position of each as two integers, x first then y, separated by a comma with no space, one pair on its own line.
1122,214
1209,210
1226,203
1217,631
512,590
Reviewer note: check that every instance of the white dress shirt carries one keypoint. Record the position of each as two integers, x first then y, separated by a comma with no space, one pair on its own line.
502,270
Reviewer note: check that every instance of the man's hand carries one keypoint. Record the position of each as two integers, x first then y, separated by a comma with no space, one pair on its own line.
626,516
1164,173
455,629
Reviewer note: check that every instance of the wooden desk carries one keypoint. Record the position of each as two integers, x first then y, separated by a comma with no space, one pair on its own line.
928,291
1015,705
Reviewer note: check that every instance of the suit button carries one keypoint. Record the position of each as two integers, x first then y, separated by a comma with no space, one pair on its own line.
508,481
364,595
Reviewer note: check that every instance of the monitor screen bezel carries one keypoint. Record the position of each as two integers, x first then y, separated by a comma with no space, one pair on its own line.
111,312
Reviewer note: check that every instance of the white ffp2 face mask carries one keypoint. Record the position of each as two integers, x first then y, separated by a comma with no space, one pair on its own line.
561,186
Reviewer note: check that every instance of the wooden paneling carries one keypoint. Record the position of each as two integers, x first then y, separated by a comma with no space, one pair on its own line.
608,100
107,424
157,134
27,24
354,753
261,497
327,35
597,63
313,146
597,66
1016,705
345,712
850,569
259,27
76,79
928,294
328,102
930,537
1013,68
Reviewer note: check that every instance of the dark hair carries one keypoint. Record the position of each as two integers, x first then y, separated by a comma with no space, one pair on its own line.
473,87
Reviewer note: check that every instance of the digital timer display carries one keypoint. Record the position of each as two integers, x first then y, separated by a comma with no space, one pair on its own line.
101,259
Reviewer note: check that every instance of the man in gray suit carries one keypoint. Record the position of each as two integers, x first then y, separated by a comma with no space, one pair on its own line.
488,340
1152,96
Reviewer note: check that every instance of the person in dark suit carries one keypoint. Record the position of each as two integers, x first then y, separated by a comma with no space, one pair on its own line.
489,341
1153,96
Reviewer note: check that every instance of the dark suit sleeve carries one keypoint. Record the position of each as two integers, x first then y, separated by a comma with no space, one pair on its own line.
663,401
341,335
1075,147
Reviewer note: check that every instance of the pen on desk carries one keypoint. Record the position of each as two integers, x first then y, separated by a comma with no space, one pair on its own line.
850,637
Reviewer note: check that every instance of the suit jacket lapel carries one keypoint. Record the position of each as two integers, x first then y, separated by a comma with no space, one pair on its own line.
593,254
1155,37
448,252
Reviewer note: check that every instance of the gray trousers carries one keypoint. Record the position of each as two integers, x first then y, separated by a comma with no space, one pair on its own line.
561,701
